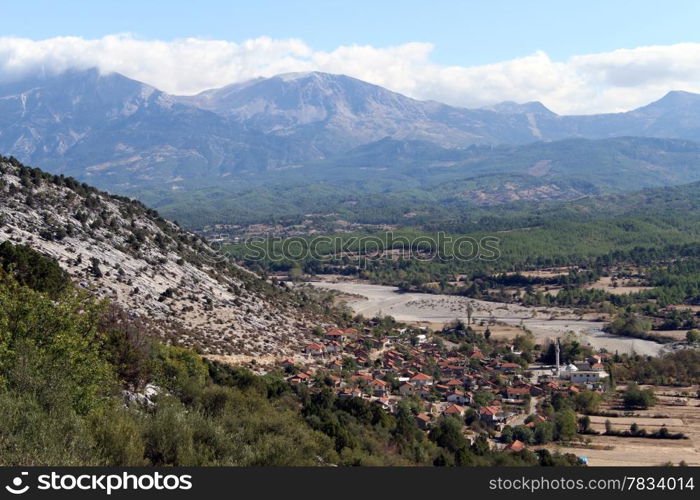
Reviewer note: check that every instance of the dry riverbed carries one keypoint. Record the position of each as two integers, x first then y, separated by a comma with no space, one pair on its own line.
435,309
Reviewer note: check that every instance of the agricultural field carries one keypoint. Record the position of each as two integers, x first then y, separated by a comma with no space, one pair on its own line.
678,409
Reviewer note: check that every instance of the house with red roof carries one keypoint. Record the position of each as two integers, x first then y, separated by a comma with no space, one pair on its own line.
300,378
475,353
516,446
315,349
490,414
335,334
509,367
336,364
460,397
517,393
385,403
407,389
454,410
380,387
421,380
334,346
423,421
347,393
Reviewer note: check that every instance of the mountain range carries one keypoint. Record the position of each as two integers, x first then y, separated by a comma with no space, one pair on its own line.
121,134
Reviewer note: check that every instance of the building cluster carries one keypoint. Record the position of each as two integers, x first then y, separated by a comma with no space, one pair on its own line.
384,370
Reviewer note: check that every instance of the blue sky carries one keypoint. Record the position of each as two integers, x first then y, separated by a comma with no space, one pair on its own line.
463,32
578,57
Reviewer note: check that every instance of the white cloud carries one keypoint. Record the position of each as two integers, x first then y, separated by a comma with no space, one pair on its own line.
612,81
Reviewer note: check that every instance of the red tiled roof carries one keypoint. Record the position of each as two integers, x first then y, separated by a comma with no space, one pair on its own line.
421,376
517,390
516,446
489,410
454,409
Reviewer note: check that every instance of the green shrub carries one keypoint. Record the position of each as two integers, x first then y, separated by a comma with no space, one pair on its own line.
118,436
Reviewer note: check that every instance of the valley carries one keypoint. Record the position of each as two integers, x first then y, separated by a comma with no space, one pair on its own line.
313,305
437,311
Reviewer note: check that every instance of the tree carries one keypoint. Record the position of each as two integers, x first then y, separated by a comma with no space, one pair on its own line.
565,424
525,342
584,424
524,434
481,445
608,427
507,434
482,398
349,364
635,397
692,336
50,349
544,432
95,267
448,434
630,325
561,400
587,401
33,269
545,458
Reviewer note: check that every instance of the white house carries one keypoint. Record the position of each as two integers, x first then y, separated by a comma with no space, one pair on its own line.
588,376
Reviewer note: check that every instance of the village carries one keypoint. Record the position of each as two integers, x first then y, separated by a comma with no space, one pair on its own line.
490,390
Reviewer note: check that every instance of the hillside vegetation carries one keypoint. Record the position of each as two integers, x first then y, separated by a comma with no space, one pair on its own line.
411,183
84,383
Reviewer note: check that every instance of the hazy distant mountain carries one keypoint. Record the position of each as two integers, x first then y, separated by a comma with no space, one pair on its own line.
675,116
119,133
514,108
332,112
123,135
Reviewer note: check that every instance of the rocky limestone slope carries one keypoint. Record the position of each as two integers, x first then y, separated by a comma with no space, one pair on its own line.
121,250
